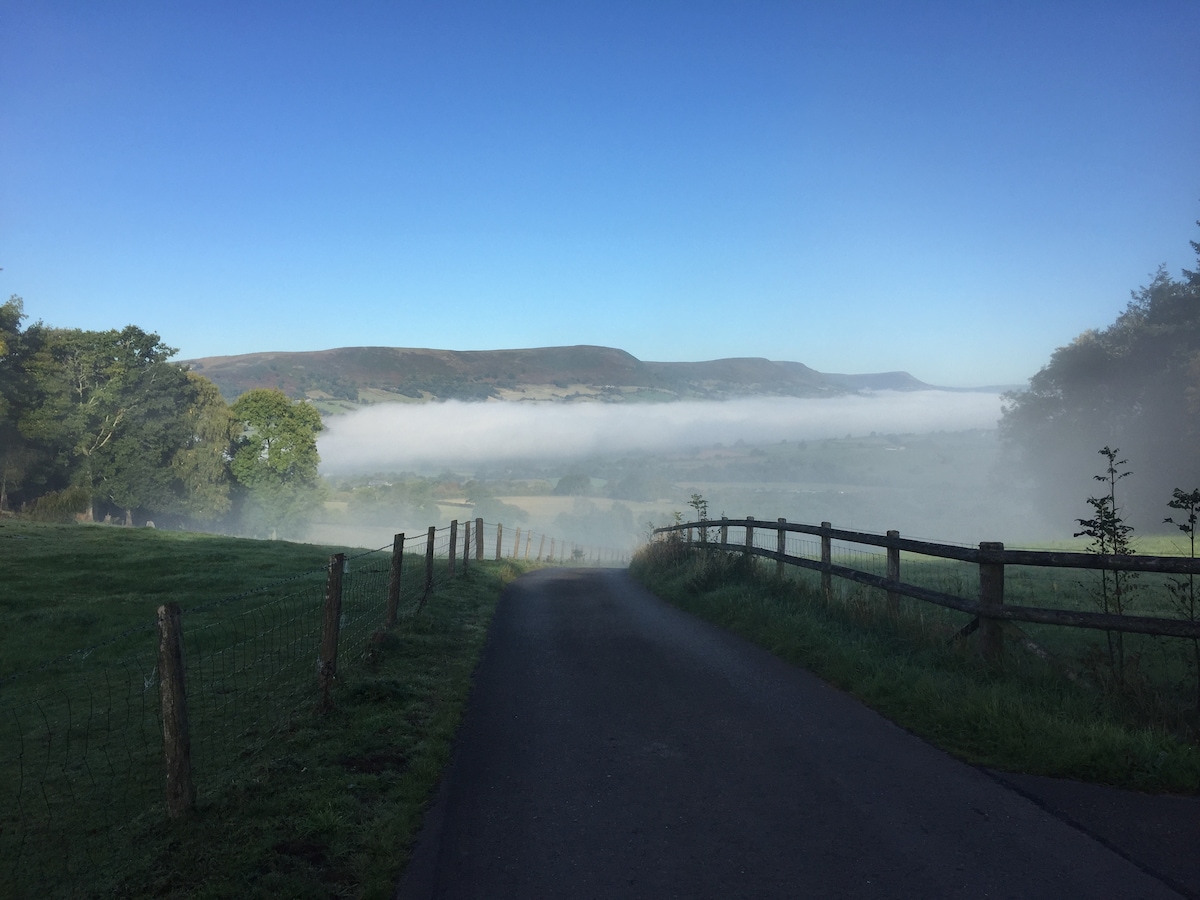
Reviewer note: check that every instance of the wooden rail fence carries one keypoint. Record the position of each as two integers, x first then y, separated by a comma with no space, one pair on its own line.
989,609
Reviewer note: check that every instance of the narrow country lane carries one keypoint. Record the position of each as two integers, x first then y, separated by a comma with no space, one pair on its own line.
616,747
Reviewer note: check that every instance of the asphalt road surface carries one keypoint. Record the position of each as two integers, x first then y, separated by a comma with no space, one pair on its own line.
616,747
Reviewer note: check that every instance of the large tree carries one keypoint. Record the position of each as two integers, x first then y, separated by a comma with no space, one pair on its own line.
18,455
201,462
113,416
103,397
275,460
1134,385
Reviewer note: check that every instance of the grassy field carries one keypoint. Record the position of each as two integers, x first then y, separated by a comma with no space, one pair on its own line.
289,803
1028,715
67,587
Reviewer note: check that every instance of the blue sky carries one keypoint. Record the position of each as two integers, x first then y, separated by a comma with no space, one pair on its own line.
950,188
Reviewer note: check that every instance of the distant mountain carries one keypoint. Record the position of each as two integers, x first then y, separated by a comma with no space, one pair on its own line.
881,381
348,377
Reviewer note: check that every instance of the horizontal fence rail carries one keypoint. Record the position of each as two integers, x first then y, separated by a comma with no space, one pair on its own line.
991,559
143,726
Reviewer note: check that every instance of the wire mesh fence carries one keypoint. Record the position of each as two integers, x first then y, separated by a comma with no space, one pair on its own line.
78,762
81,736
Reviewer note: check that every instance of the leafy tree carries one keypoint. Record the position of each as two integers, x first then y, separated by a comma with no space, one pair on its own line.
639,485
105,415
18,456
200,464
136,469
1135,383
275,460
12,312
492,509
105,406
573,486
174,457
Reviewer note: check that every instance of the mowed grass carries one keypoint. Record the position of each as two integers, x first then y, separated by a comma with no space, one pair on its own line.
1027,715
290,803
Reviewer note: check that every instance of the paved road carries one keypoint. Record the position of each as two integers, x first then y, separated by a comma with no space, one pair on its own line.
616,747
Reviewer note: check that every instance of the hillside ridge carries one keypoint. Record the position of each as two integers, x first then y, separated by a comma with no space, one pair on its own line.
345,377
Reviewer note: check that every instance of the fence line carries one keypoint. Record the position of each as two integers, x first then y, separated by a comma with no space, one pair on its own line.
770,540
88,730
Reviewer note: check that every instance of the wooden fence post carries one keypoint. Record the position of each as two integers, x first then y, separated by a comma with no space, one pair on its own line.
393,602
499,540
517,544
177,742
826,562
327,658
893,572
991,596
689,535
724,531
750,540
542,547
551,550
479,540
466,551
780,547
453,544
429,544
528,541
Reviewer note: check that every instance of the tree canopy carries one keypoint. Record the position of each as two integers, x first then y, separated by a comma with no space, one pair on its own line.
275,460
106,419
1134,385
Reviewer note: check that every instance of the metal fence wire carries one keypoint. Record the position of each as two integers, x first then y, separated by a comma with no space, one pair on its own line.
81,733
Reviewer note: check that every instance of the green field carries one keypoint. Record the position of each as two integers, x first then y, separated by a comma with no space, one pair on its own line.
291,803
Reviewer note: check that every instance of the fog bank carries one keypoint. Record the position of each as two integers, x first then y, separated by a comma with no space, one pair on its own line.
401,436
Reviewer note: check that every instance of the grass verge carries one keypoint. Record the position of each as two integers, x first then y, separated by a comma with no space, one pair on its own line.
1024,717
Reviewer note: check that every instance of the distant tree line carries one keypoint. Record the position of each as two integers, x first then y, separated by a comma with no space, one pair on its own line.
102,425
1133,385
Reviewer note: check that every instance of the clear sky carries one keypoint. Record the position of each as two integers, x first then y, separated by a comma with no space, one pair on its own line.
952,188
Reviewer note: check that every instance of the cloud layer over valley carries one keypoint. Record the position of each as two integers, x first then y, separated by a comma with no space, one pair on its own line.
395,437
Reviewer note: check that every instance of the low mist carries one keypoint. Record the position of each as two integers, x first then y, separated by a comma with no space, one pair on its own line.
929,464
453,434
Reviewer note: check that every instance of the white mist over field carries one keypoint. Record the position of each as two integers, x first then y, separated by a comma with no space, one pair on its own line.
402,436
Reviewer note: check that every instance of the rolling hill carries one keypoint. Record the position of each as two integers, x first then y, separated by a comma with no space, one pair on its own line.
347,377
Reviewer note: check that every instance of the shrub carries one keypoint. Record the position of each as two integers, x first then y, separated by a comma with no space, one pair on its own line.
61,506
